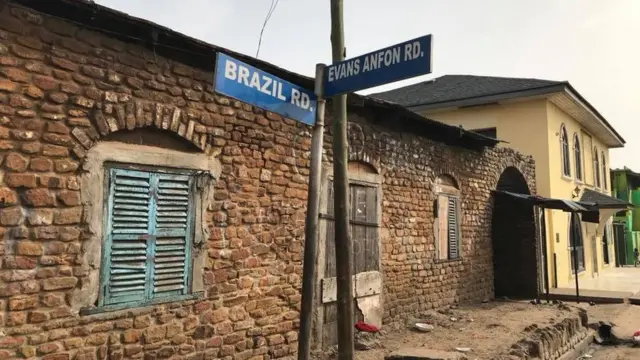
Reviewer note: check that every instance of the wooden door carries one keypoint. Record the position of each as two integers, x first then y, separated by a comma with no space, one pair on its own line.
363,229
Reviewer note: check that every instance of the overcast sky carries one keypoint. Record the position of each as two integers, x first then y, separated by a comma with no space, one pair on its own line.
594,44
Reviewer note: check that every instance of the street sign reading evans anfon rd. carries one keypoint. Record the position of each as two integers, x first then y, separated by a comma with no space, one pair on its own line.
398,62
253,86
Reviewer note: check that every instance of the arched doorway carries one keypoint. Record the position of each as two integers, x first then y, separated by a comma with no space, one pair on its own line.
514,239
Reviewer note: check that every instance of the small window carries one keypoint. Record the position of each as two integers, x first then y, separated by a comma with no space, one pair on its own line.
147,251
564,152
448,220
605,172
596,168
577,154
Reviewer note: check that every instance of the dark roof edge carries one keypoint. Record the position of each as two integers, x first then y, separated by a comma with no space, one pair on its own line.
480,100
199,54
609,202
543,90
590,107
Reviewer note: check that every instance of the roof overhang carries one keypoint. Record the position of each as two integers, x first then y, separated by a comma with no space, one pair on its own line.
549,203
565,205
563,95
604,201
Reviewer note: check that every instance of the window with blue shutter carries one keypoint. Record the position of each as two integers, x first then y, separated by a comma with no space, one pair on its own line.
148,231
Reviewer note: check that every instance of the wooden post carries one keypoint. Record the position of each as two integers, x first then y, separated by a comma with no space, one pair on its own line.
341,203
309,271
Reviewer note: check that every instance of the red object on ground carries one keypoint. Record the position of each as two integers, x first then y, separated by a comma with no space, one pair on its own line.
637,333
362,326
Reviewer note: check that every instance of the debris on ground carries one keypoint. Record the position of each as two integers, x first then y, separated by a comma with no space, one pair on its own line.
362,326
623,320
424,327
480,331
367,341
636,337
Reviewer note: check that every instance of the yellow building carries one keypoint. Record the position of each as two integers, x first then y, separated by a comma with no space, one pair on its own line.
567,137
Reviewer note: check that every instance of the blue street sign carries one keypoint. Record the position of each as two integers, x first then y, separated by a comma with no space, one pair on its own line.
398,62
253,86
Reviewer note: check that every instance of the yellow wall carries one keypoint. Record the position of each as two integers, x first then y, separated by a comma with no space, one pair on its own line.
563,188
523,125
533,128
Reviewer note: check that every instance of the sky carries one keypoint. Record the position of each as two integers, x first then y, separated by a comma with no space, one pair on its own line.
593,44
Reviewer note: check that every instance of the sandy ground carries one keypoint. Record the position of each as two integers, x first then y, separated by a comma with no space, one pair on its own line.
487,329
618,353
626,320
490,329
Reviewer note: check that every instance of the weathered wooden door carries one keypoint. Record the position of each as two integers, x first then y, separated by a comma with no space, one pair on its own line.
363,212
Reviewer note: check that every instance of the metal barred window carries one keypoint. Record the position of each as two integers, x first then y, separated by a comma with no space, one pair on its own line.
148,236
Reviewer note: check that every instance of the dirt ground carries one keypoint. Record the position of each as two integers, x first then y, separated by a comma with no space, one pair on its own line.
618,353
625,320
487,329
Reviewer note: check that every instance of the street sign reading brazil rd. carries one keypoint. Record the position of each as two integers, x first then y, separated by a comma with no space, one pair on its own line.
398,62
248,84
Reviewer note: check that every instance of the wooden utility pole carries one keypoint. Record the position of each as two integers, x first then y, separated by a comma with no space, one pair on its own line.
341,201
309,271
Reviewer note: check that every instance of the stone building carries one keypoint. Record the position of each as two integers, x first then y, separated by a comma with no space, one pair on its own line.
142,216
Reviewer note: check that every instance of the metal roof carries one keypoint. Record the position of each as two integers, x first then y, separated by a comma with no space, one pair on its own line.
548,203
604,201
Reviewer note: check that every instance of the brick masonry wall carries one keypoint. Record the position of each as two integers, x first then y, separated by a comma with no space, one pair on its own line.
63,88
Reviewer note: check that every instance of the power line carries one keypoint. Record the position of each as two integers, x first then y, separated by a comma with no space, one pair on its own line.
272,8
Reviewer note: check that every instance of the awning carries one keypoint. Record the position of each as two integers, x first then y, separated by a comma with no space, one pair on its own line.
604,201
548,203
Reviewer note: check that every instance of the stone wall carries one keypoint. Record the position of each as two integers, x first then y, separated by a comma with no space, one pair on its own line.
554,341
64,89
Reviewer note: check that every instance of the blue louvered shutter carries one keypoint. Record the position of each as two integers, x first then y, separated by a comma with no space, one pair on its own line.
127,247
452,226
172,229
149,226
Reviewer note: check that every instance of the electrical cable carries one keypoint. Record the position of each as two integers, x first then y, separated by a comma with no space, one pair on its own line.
274,4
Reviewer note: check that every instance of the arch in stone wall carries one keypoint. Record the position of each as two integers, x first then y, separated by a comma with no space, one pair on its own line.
358,149
514,240
524,169
119,112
